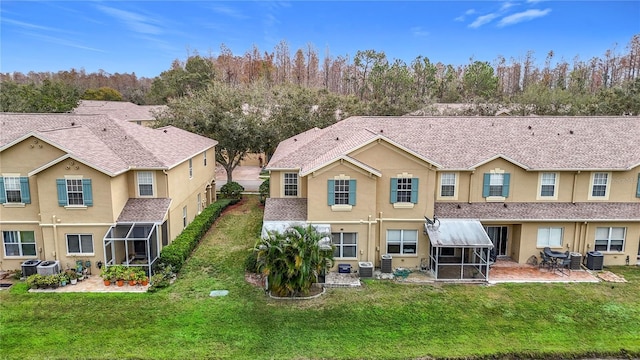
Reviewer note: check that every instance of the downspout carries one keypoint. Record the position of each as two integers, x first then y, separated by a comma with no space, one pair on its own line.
371,254
469,193
379,240
573,191
55,239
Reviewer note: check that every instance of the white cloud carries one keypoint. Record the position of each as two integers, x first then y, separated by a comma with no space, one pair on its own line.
466,13
419,31
28,25
523,16
505,6
136,22
228,11
482,20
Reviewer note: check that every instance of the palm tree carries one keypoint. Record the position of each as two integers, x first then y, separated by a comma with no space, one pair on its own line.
292,260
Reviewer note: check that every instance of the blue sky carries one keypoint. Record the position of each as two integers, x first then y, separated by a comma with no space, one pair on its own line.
146,36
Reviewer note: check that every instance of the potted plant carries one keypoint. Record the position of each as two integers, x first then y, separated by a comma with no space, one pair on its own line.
132,276
63,279
73,276
119,273
143,279
107,275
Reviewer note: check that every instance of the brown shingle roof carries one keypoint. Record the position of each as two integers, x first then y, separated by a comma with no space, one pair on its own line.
145,210
109,145
538,143
285,209
588,211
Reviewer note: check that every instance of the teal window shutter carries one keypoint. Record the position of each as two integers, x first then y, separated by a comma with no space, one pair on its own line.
62,192
87,192
331,198
505,185
24,190
352,192
638,189
486,185
3,195
394,190
414,190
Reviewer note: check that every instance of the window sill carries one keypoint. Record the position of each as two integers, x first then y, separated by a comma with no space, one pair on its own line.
14,205
541,247
341,207
20,257
403,205
76,207
80,254
404,255
495,198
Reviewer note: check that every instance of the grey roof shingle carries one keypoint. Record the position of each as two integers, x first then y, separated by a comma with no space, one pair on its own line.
144,210
532,211
109,145
537,143
285,209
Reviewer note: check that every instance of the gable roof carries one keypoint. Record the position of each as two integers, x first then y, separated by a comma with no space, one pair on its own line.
119,110
463,143
109,145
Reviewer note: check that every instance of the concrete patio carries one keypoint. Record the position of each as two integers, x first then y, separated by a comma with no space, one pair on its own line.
94,283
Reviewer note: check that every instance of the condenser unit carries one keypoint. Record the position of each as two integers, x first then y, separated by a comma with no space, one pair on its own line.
49,268
365,269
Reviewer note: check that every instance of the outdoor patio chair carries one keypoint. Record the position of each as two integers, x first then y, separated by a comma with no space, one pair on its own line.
564,264
545,261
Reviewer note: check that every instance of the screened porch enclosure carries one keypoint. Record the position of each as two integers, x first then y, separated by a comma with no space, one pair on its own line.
132,244
460,250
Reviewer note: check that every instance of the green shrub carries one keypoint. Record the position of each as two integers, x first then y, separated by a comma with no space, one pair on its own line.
251,262
179,250
162,277
231,190
264,191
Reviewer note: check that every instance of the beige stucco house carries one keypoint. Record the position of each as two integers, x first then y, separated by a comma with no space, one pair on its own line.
98,189
508,186
120,110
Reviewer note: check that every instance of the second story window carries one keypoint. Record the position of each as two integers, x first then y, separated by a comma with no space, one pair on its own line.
190,168
204,158
600,182
496,185
74,192
447,184
341,192
404,190
14,189
145,183
290,184
548,185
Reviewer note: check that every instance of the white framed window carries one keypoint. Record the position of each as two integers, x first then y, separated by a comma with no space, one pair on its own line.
199,203
548,185
341,192
550,237
145,183
290,184
19,243
496,181
204,158
75,194
404,242
79,243
184,217
610,238
12,189
404,190
599,185
346,244
190,168
448,184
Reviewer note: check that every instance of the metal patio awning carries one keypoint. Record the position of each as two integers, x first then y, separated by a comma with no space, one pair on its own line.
458,233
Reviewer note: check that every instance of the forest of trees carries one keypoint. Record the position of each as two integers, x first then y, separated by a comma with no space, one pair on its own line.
251,102
384,86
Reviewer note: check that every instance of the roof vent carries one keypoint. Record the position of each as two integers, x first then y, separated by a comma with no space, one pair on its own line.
165,131
381,131
459,207
505,205
337,138
294,139
529,127
571,132
73,124
104,129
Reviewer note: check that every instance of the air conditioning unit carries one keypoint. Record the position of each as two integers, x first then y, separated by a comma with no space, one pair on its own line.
365,269
386,265
29,267
49,268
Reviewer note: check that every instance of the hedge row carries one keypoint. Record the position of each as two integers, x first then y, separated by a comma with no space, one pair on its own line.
179,250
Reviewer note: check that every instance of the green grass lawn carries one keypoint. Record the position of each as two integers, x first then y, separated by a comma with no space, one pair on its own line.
381,320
